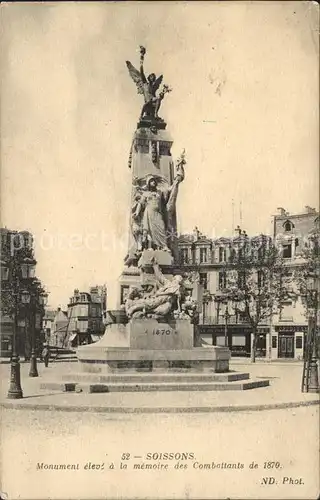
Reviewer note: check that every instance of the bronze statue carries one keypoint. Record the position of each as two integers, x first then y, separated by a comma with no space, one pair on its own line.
163,301
168,299
148,88
153,213
152,210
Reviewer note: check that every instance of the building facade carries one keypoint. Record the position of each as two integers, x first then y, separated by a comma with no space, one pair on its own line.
294,233
283,336
219,323
47,323
86,316
56,327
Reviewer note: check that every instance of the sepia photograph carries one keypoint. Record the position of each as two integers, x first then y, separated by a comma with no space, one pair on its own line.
160,250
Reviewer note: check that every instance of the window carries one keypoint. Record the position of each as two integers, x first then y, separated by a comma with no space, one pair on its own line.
287,251
203,255
27,239
261,279
83,297
222,254
142,145
222,280
193,255
164,148
232,254
261,252
124,293
82,311
242,317
238,340
5,345
203,279
274,342
299,342
220,340
241,279
184,255
82,326
288,226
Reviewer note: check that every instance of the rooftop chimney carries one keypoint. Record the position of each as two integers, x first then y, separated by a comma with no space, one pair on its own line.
310,210
282,211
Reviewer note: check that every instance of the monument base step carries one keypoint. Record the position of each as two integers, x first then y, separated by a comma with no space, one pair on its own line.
153,366
153,377
154,386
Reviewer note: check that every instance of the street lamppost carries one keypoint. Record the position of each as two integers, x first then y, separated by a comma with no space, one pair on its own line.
34,300
310,378
226,322
14,272
206,298
223,298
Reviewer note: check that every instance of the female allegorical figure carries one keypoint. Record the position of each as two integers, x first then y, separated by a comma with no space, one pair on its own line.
153,219
156,210
153,223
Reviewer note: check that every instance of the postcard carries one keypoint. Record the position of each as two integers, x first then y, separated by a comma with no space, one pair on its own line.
159,250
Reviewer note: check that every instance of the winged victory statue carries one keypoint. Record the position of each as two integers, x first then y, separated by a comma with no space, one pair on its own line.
148,87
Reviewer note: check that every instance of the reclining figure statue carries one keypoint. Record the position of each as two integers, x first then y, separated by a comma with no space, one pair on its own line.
161,302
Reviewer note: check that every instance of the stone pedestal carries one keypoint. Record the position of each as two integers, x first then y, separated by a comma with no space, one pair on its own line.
152,334
147,345
151,153
163,258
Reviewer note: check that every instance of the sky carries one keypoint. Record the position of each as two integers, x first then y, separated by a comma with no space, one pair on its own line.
244,105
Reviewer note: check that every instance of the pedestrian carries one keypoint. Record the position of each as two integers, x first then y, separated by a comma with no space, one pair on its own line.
45,354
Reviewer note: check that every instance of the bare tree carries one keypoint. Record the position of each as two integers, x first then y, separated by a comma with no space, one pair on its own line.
307,273
307,281
257,281
15,256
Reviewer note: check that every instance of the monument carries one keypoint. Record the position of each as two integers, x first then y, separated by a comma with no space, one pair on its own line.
151,343
155,328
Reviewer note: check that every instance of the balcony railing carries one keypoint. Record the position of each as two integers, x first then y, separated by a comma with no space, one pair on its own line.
232,320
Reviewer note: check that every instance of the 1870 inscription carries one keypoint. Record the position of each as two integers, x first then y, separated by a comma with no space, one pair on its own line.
161,331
